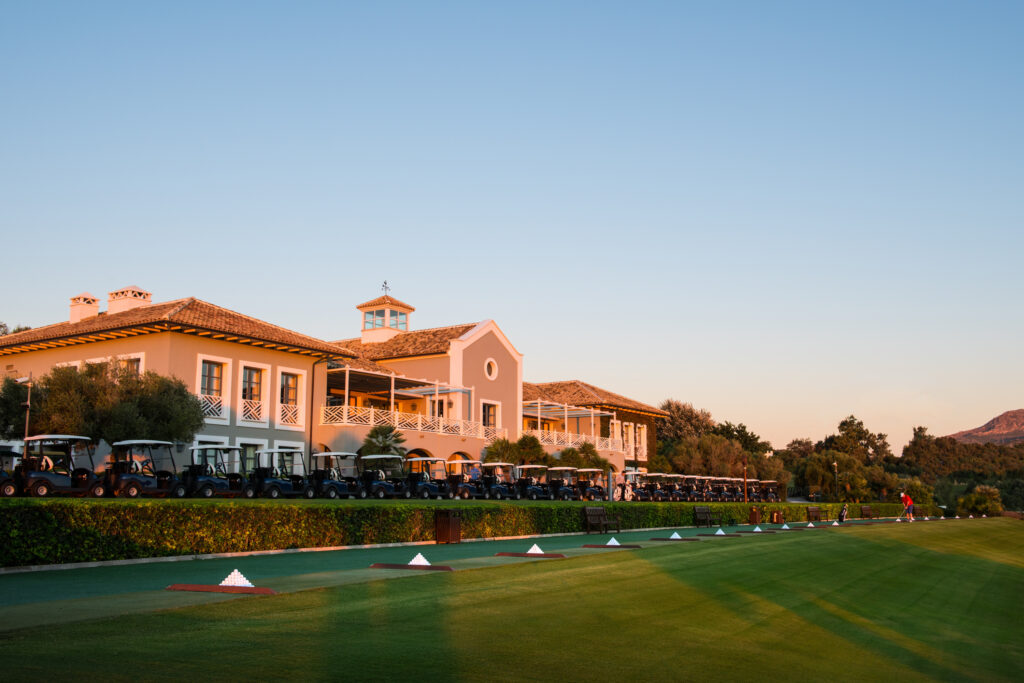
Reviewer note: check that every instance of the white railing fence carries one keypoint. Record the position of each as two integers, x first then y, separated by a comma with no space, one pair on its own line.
289,414
567,439
417,422
252,411
213,406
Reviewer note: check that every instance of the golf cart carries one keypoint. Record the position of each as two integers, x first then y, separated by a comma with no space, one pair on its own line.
466,484
428,478
334,475
498,481
48,466
383,476
561,483
273,475
633,487
8,487
209,474
528,481
588,484
770,490
134,472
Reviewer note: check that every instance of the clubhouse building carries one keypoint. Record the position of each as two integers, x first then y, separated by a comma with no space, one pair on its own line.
450,390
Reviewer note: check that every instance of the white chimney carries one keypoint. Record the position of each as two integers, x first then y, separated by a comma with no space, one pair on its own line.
127,298
83,306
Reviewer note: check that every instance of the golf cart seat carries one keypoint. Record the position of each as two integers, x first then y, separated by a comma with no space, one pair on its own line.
163,477
79,476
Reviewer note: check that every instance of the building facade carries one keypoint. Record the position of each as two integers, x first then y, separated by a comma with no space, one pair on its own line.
450,391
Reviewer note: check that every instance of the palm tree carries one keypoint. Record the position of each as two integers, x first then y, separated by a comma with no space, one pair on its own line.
384,440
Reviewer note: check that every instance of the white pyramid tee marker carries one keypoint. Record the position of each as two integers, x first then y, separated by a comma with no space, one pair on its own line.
836,523
982,516
810,525
785,526
235,578
757,529
419,561
898,520
719,532
958,516
675,535
970,516
612,542
535,550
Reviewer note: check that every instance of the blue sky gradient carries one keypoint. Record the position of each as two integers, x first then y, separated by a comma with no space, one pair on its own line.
782,212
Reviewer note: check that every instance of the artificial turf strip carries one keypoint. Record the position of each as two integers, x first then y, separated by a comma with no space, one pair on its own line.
935,602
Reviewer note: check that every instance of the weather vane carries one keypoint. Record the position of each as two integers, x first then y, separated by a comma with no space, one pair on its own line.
385,288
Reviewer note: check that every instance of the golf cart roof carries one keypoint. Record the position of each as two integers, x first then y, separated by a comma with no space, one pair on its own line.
423,458
217,446
561,469
279,450
589,469
463,462
141,442
532,467
335,454
655,474
57,437
380,457
499,464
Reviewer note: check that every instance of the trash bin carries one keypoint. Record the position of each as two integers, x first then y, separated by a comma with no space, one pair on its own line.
448,526
777,517
755,516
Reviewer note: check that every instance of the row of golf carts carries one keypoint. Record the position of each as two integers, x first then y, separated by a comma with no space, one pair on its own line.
655,486
56,464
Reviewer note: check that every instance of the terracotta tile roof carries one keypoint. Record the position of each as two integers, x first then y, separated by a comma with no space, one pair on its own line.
385,301
577,393
186,312
405,344
364,364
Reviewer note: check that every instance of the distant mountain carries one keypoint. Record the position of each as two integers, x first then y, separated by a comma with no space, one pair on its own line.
1007,429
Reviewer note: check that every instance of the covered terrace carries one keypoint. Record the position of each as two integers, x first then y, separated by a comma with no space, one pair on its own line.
587,422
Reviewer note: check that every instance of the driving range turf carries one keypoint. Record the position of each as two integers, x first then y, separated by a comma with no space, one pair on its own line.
927,601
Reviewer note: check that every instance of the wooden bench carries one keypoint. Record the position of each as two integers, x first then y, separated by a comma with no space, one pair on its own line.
866,512
597,518
815,514
702,517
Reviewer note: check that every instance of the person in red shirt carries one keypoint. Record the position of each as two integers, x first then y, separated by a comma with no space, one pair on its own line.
908,506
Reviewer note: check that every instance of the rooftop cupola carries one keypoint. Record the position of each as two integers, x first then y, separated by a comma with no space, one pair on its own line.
383,318
83,306
127,298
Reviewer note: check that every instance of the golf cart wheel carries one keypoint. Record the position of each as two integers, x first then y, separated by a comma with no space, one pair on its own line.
533,496
551,496
331,492
425,494
131,490
379,494
363,493
41,489
178,491
309,493
273,492
464,494
487,495
8,489
497,495
518,495
451,495
206,492
566,497
407,493
97,490
248,491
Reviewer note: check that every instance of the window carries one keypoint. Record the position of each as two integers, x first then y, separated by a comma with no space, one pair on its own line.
397,320
289,389
373,319
132,365
212,379
252,379
491,369
490,415
437,407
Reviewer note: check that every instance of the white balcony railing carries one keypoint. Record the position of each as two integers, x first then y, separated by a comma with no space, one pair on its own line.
417,422
567,439
252,411
289,414
213,406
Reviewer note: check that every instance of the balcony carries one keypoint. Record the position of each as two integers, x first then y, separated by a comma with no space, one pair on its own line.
253,411
567,439
416,422
289,414
213,406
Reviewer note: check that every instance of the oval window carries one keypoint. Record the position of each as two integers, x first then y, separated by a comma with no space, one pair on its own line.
491,369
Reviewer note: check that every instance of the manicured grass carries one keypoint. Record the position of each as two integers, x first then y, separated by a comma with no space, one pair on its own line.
935,601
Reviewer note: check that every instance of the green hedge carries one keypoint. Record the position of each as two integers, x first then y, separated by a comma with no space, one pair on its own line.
82,530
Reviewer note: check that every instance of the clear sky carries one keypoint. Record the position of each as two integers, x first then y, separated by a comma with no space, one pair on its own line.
782,212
